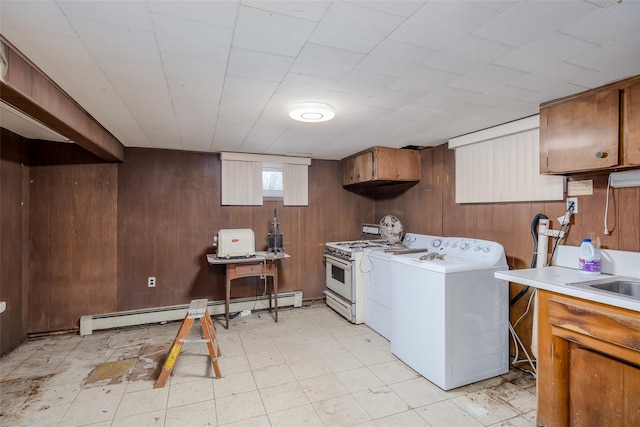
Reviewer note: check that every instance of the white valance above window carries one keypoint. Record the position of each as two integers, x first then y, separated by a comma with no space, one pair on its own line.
502,164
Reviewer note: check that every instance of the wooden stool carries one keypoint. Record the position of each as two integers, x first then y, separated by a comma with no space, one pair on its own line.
197,310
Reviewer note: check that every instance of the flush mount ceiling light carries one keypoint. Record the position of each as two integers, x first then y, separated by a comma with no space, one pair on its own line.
312,112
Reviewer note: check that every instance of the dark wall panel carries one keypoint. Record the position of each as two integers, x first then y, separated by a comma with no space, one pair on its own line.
14,204
169,210
72,236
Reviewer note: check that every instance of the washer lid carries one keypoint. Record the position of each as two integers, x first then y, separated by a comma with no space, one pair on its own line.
449,263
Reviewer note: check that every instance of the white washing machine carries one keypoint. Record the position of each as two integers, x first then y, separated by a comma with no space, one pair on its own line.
449,316
376,265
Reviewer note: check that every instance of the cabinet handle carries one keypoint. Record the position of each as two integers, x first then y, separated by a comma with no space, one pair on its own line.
601,154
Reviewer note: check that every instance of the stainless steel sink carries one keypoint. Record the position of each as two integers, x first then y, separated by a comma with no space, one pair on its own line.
629,288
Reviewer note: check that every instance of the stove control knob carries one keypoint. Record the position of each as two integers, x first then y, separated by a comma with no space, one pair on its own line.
464,246
477,248
486,249
453,245
436,243
446,243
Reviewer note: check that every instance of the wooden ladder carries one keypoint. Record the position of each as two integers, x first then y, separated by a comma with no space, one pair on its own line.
197,310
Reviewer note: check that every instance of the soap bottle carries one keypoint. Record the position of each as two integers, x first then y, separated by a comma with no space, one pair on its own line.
589,258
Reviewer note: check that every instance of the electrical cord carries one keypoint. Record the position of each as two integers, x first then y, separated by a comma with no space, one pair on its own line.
534,258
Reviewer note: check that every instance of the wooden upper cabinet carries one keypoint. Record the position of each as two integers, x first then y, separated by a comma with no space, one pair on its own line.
580,134
631,125
595,130
381,165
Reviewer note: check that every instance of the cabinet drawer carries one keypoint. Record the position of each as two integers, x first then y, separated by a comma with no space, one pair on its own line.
248,270
616,326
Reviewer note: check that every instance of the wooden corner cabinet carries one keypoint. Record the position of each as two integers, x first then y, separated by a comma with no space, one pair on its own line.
594,130
381,165
588,363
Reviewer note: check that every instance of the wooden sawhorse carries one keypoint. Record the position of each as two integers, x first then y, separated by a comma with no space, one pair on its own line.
197,310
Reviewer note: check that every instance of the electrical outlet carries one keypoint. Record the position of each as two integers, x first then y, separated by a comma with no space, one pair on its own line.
151,282
575,204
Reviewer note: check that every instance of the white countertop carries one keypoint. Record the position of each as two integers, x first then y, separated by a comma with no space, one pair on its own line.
560,279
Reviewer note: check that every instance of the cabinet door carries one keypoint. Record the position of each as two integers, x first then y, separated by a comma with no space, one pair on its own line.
631,120
364,167
603,391
581,134
348,171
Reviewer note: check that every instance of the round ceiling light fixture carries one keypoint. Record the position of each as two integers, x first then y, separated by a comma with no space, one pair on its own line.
312,112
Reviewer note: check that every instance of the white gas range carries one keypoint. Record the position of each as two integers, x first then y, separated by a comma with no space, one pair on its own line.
345,276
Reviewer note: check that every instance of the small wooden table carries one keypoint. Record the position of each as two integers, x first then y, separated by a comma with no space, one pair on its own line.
263,264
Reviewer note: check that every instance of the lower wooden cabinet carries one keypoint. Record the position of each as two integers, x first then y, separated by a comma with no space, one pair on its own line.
588,363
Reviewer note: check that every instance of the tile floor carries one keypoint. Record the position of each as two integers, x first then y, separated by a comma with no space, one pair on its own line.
312,368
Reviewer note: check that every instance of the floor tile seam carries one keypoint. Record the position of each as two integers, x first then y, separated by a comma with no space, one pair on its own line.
383,416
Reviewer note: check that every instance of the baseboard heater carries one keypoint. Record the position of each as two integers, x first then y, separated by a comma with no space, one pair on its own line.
91,323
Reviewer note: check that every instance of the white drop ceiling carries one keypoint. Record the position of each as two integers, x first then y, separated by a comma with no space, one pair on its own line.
217,76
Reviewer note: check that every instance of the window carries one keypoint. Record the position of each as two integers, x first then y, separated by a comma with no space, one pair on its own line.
247,178
272,180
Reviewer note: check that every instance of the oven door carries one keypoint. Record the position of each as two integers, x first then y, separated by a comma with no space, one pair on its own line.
339,277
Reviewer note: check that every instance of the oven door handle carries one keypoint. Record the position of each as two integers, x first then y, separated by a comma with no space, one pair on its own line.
339,262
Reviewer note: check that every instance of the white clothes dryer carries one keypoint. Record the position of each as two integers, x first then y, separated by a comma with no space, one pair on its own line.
376,265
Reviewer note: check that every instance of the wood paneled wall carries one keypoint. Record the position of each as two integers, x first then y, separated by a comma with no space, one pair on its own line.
96,231
169,210
72,236
14,205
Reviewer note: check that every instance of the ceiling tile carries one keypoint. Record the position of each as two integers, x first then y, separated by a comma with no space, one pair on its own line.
545,52
393,98
395,7
487,78
239,110
326,62
258,65
260,90
479,50
365,84
351,27
269,32
448,97
118,42
615,22
625,69
35,16
424,80
195,39
122,70
530,20
439,24
221,13
601,57
309,10
200,70
305,88
394,58
548,78
128,14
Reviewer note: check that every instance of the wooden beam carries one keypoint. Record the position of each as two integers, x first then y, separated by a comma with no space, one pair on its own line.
26,88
